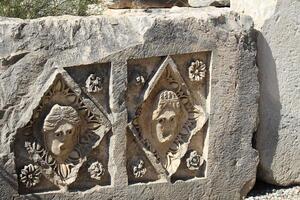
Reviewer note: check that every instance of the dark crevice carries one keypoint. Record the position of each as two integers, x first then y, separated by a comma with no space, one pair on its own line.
10,60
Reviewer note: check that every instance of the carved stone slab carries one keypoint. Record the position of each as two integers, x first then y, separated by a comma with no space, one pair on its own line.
129,105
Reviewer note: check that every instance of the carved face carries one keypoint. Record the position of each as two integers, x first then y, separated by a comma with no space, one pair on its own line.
62,140
61,131
166,116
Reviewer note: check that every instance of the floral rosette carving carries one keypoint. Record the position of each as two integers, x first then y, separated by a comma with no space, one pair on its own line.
96,170
197,71
93,83
194,161
139,79
138,168
30,175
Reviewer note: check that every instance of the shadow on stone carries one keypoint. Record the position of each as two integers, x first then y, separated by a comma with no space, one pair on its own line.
269,107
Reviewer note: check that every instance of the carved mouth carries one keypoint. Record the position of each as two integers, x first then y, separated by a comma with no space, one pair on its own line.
62,148
165,136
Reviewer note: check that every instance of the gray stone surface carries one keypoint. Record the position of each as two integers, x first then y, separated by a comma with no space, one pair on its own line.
98,66
278,139
203,3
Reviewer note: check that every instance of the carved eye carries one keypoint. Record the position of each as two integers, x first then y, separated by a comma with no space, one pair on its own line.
172,119
58,134
69,132
161,120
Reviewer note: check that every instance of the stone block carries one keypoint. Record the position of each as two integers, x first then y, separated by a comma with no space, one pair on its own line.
156,104
277,139
203,3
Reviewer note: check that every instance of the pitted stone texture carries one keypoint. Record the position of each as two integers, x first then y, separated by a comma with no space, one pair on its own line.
278,60
278,138
144,3
203,3
33,52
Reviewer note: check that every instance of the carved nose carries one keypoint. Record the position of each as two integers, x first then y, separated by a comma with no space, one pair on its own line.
168,126
166,133
62,139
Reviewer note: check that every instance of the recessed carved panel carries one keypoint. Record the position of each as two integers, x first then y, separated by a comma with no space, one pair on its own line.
167,113
94,81
139,168
63,143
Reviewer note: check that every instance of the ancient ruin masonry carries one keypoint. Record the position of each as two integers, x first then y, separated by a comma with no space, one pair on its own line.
132,104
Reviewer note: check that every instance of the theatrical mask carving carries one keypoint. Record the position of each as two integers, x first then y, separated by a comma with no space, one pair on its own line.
65,131
61,131
167,119
165,116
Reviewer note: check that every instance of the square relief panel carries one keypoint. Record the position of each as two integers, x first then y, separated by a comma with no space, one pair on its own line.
167,116
65,144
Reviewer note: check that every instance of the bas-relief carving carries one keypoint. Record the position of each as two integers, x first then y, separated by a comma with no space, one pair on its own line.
197,71
94,83
140,80
194,161
165,116
96,170
30,175
138,168
167,119
61,131
163,125
64,133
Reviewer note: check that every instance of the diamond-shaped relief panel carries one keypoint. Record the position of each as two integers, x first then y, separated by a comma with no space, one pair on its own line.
167,116
59,140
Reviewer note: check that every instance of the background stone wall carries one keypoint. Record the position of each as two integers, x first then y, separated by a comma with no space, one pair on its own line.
278,60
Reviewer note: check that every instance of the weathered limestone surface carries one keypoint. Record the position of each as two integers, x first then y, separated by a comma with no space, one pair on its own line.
278,138
202,3
259,10
160,104
144,3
